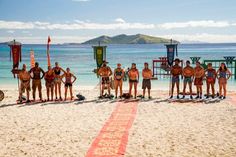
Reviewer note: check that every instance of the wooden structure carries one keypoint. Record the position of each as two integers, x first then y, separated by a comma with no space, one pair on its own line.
160,67
230,61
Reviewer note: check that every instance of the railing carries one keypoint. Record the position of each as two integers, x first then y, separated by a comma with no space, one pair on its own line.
195,59
229,60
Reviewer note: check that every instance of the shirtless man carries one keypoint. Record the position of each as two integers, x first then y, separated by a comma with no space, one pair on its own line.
199,74
147,75
57,82
118,78
188,73
133,79
176,71
24,77
105,72
68,82
49,82
210,75
36,71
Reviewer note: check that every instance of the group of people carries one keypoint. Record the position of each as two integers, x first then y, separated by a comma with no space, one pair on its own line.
191,75
105,73
197,75
54,77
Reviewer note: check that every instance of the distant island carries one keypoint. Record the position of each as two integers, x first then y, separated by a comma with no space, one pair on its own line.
128,39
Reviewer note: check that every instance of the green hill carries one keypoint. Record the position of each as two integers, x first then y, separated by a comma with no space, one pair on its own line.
128,39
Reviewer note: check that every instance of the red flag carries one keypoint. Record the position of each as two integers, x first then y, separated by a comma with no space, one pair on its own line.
48,55
32,60
16,55
49,40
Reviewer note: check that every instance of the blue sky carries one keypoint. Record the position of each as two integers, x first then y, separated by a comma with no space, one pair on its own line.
31,21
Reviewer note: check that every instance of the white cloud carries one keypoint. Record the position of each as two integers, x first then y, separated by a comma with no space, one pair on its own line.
203,37
43,39
78,25
16,25
120,20
118,23
208,23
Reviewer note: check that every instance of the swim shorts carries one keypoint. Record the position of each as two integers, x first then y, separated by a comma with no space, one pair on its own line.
146,84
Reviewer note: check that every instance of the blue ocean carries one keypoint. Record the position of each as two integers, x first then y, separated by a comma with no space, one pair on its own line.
81,61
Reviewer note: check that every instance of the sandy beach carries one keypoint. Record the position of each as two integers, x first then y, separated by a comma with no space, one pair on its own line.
160,128
86,46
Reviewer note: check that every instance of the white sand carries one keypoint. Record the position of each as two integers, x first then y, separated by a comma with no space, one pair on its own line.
160,129
183,130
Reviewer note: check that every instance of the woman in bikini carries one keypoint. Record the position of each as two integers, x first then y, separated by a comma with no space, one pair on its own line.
57,70
68,82
210,75
133,79
223,74
118,77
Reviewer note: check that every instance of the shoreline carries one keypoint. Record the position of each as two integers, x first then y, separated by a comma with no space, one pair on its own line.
155,87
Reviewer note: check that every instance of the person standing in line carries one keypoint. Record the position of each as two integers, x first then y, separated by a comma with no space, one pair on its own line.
24,77
199,74
57,71
133,79
105,72
210,75
223,74
146,84
49,82
118,79
188,73
36,83
176,71
68,82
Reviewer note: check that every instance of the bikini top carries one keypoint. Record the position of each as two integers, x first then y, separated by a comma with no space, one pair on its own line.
222,74
118,72
57,71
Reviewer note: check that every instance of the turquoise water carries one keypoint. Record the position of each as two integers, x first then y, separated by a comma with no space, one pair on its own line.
80,58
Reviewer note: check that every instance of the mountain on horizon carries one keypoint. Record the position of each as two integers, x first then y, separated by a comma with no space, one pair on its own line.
128,39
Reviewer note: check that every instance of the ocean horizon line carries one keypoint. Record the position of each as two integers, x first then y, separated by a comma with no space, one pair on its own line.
74,43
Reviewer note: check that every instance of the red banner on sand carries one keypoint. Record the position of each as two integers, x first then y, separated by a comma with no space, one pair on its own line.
16,55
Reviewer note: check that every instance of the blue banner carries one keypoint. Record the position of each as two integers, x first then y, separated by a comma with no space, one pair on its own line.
171,49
